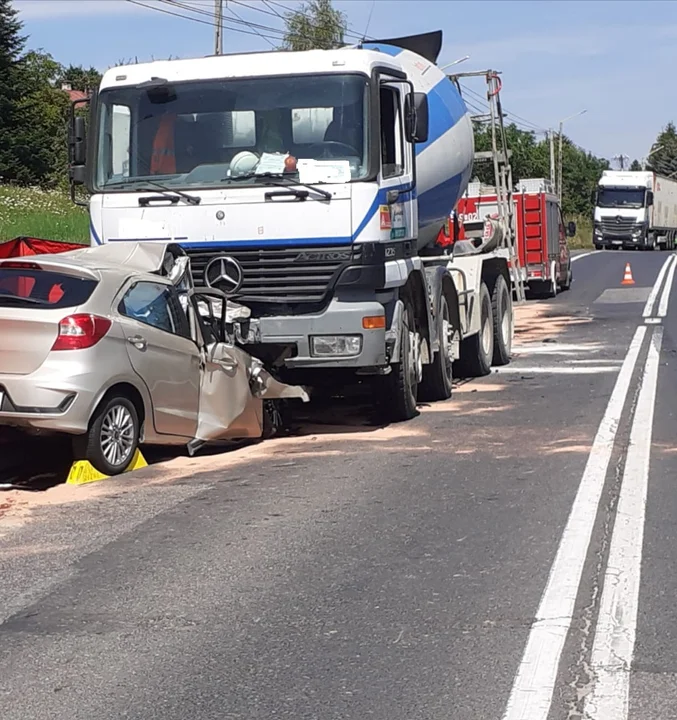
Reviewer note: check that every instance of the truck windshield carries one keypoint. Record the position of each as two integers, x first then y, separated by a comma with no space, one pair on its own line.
210,132
620,197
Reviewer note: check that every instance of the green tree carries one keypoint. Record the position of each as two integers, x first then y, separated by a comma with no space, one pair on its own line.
663,158
40,140
531,159
80,78
635,166
316,25
11,47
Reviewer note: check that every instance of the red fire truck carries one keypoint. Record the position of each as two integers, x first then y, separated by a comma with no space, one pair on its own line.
542,246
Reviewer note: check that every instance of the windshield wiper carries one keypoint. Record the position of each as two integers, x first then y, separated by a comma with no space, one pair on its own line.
287,182
190,199
19,299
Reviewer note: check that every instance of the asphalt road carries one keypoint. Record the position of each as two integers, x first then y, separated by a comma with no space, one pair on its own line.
507,555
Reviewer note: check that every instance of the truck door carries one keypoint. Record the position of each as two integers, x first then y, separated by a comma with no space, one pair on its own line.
399,216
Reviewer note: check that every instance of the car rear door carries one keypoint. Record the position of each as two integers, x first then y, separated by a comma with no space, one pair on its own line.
163,354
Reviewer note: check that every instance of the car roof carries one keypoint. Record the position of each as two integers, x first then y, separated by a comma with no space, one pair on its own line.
121,259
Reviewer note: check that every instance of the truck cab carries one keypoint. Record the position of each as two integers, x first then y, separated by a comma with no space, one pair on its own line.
622,216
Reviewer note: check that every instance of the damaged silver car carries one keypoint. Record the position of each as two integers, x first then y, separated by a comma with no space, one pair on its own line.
114,346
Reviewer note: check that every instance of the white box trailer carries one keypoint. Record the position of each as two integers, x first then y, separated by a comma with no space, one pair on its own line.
635,210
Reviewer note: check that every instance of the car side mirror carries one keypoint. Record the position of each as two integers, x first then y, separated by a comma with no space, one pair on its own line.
417,117
571,229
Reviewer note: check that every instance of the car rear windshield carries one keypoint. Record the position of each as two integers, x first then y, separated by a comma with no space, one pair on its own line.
32,287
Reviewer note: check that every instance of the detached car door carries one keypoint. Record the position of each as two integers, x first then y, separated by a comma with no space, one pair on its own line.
163,354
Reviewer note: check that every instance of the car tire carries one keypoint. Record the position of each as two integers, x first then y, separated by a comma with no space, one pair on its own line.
112,440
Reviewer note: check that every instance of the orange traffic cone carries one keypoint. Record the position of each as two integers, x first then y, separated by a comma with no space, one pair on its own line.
627,278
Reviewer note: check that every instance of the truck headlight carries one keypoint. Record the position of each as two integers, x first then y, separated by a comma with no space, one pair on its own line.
598,230
335,345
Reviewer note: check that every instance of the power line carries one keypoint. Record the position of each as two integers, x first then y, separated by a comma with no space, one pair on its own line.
232,12
209,23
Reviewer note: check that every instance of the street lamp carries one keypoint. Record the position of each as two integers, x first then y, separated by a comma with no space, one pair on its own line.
559,174
456,62
649,154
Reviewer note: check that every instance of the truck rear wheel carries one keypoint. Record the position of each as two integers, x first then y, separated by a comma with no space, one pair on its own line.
400,389
477,351
501,306
438,376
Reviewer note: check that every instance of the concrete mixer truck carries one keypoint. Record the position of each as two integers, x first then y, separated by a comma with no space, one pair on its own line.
313,187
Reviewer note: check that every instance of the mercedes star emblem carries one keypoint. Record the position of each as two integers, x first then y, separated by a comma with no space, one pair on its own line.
224,273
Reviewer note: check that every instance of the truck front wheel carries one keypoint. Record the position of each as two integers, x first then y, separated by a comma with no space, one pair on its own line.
400,389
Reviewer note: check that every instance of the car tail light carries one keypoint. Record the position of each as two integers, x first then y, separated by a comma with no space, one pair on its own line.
78,332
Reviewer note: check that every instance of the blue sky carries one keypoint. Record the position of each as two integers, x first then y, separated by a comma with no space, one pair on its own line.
613,58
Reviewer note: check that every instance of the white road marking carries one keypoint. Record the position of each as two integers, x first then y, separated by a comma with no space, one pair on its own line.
578,257
652,321
651,301
556,369
534,684
557,348
665,295
614,642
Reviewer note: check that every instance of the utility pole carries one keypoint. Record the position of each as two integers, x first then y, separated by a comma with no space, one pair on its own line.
551,135
559,164
218,27
621,160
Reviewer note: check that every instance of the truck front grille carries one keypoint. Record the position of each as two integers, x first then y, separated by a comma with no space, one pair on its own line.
618,227
281,276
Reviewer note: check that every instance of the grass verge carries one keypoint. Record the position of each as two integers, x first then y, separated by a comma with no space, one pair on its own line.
49,215
583,239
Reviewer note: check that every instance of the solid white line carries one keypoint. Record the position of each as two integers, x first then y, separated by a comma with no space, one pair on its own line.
556,370
614,643
652,321
534,684
651,300
578,257
665,295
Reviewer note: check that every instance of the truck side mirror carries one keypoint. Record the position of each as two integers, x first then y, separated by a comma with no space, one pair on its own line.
593,197
571,229
417,119
78,141
649,198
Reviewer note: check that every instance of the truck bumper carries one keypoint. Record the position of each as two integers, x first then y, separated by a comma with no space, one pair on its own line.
626,243
339,319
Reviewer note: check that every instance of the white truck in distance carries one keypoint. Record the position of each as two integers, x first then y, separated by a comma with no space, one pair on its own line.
635,209
313,187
